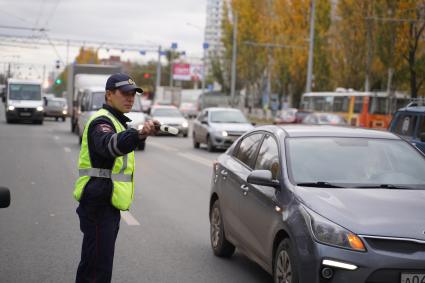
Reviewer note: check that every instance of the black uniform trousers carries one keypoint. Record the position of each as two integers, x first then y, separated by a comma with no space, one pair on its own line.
100,227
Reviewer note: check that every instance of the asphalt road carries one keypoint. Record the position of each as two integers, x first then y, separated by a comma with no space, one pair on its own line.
165,238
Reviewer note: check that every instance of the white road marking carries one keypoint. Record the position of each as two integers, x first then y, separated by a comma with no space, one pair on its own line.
197,159
67,149
129,219
56,137
163,147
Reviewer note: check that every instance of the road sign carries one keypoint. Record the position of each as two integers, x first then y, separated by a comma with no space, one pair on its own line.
174,45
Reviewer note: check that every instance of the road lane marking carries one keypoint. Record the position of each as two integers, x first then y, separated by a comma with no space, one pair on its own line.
197,159
129,219
67,149
164,147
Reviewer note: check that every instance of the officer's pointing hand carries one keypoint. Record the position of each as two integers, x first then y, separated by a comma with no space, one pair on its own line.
149,128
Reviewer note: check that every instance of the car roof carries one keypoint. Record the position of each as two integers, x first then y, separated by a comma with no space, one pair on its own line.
164,107
412,109
221,109
329,131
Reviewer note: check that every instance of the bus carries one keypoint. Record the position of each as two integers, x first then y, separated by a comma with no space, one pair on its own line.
361,109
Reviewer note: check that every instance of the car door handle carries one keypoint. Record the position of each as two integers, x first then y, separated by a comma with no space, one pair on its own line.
224,172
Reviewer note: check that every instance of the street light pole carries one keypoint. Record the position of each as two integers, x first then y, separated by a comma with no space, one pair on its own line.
158,70
234,54
311,48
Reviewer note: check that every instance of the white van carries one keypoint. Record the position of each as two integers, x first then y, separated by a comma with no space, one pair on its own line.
23,101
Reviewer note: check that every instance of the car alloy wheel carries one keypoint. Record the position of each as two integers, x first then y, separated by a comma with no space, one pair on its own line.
285,265
284,268
215,227
220,245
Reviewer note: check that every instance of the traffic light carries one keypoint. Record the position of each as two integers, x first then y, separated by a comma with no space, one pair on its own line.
57,64
146,75
58,81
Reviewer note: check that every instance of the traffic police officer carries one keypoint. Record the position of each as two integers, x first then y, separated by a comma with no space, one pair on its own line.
106,177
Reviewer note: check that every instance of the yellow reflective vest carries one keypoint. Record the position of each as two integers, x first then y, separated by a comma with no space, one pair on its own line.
121,174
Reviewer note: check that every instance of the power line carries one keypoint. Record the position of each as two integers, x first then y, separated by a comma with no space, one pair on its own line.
22,28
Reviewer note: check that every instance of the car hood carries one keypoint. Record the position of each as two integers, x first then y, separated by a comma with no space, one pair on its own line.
376,212
25,103
136,118
236,127
170,120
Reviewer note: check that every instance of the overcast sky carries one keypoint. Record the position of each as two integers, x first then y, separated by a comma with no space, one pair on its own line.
123,21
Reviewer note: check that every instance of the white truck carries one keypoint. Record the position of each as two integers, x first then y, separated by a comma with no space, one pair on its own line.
23,101
82,77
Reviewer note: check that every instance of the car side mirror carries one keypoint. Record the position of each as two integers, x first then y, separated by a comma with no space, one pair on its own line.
205,122
422,137
254,124
4,197
262,178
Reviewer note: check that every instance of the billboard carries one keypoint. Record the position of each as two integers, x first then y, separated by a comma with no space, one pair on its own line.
187,72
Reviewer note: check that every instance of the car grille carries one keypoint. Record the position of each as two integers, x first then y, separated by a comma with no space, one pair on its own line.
396,245
235,133
25,110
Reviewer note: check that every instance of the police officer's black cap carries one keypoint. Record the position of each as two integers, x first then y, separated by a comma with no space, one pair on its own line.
122,82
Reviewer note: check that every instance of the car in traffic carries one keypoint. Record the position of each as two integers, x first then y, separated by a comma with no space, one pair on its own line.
55,107
137,117
89,101
219,127
409,123
315,204
171,116
189,109
324,119
290,116
23,102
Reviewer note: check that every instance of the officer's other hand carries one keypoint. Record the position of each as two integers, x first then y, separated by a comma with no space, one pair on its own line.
149,128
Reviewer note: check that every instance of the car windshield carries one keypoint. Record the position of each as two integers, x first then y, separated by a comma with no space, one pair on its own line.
24,92
166,112
137,106
227,116
355,162
98,100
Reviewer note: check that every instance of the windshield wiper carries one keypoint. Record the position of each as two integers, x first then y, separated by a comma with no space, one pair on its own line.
386,186
319,185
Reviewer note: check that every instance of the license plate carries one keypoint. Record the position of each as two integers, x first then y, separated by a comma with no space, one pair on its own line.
413,278
25,114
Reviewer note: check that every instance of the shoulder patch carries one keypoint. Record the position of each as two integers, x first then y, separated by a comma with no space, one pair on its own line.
105,128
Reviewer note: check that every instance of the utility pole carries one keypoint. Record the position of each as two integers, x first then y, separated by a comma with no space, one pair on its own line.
234,54
67,52
369,55
158,70
204,62
311,48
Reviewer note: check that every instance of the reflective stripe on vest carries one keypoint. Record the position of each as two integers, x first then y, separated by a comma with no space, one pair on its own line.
121,173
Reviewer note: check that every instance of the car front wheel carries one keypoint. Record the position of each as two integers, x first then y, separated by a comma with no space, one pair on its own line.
220,245
285,265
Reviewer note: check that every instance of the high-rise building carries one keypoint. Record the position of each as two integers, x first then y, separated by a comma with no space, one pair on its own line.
213,32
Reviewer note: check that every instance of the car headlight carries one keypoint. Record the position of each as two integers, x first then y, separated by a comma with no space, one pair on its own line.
224,134
64,112
40,108
11,108
185,124
329,233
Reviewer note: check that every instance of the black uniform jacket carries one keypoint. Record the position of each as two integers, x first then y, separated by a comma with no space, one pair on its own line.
104,147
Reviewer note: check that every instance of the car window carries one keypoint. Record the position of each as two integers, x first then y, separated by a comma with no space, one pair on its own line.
421,128
405,125
268,157
247,149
